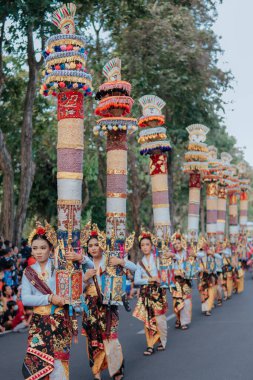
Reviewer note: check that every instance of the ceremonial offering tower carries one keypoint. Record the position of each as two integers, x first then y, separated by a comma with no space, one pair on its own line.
66,78
195,164
222,196
211,178
154,143
244,187
114,104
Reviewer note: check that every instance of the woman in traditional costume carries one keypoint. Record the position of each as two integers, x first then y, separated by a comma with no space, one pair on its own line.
51,329
182,292
152,304
227,273
218,268
101,323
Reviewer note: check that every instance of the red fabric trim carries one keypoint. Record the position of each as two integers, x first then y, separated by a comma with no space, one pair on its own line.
112,336
47,358
61,356
41,374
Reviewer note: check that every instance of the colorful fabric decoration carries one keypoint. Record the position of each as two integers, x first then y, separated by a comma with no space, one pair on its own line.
65,57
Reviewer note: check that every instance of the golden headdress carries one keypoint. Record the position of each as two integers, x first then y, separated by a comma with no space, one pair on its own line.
145,234
179,236
47,231
90,231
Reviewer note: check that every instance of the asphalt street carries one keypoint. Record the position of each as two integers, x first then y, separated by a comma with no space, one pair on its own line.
219,347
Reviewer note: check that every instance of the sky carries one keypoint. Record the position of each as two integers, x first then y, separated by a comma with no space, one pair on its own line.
235,26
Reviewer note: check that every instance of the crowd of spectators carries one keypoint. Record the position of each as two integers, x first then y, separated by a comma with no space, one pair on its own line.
13,315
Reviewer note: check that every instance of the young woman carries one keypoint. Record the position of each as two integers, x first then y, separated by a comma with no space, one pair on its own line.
152,304
50,332
101,324
227,273
182,293
207,281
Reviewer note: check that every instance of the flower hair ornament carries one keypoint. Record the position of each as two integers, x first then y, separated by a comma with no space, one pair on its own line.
90,231
147,235
47,231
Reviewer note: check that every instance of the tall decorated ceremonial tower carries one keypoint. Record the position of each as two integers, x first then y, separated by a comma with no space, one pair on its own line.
67,79
154,143
222,196
115,104
195,165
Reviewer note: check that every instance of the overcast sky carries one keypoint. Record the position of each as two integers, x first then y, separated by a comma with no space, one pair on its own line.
235,26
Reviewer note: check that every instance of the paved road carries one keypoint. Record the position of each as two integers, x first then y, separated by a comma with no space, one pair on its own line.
215,348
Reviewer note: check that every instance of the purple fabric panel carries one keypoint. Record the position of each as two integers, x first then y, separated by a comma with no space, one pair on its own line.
70,160
233,220
243,213
211,216
221,215
160,197
116,183
193,209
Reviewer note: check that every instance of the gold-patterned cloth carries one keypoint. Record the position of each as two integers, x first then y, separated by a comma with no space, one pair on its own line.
151,303
49,339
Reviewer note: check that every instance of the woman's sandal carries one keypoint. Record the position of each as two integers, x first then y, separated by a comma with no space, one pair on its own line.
149,351
219,303
184,327
177,324
160,348
208,314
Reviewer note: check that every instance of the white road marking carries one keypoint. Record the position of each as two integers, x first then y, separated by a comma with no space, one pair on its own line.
171,316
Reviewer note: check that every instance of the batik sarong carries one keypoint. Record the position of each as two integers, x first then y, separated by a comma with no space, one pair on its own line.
49,342
151,308
100,326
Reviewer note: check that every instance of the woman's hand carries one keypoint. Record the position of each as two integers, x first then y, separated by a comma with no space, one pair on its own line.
168,255
155,279
114,261
73,256
58,301
89,274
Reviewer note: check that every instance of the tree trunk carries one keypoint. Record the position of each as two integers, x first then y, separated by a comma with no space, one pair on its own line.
27,163
7,207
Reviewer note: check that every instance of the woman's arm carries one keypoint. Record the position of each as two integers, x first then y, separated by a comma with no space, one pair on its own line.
138,280
30,299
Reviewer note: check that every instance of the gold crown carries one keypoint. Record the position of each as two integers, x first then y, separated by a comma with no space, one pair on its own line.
48,231
90,231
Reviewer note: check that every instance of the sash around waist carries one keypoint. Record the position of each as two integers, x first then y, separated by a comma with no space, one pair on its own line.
46,310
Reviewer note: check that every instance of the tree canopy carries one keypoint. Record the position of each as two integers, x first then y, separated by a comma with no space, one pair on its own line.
167,48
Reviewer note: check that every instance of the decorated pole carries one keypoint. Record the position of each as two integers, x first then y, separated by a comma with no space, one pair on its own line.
154,143
243,221
211,179
222,196
114,104
233,191
195,164
244,187
66,78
